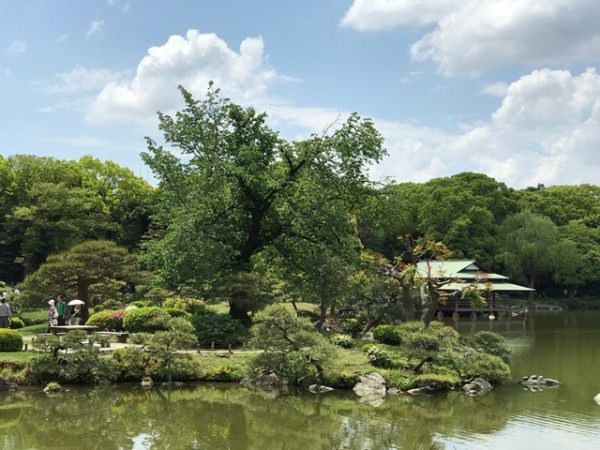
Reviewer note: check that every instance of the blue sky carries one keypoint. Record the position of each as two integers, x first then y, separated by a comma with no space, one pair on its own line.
502,87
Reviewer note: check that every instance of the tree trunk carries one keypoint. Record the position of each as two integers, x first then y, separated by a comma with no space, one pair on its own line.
240,313
323,314
408,303
531,294
83,295
430,302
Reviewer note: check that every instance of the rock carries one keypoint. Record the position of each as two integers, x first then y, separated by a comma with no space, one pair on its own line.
53,388
6,385
420,390
394,391
538,382
371,389
477,386
597,399
147,382
319,389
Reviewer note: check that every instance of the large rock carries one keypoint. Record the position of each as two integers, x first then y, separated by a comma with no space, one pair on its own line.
6,385
538,382
371,389
477,386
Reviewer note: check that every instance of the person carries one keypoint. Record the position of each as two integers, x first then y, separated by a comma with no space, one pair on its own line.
74,319
61,310
4,313
52,314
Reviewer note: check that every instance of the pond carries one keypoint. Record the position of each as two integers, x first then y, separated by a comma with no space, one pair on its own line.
565,346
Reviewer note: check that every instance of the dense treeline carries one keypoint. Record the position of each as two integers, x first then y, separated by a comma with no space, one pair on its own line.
246,216
48,205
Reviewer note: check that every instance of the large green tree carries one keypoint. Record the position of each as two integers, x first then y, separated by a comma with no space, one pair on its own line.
240,190
84,266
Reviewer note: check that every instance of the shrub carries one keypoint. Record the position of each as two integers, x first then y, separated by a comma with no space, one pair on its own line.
486,366
173,303
146,319
143,303
133,363
352,327
437,381
108,320
488,342
16,323
343,341
386,334
340,380
177,312
111,304
222,374
379,358
365,348
221,329
10,340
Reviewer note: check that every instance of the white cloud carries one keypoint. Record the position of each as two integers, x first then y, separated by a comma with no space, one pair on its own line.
62,38
124,5
473,36
497,89
377,15
191,61
547,130
16,48
79,79
95,29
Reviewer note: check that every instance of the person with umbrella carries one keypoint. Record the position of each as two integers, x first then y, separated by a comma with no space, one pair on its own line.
75,311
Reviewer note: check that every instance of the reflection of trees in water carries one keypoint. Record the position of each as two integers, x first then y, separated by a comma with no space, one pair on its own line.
237,419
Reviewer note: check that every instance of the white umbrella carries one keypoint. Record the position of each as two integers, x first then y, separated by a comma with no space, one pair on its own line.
76,302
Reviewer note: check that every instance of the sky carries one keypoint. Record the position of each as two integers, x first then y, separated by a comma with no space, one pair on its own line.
508,88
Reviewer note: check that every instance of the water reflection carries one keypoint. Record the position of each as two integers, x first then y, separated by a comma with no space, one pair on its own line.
225,417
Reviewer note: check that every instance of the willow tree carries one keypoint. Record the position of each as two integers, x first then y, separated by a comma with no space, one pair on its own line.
239,190
74,272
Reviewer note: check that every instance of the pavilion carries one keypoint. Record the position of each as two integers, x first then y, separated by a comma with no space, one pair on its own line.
459,274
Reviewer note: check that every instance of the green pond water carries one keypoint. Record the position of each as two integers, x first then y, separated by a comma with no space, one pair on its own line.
565,346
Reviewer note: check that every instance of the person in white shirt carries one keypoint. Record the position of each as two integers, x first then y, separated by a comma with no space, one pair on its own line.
4,313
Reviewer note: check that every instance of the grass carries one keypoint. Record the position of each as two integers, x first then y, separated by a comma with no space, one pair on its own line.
16,356
34,314
32,330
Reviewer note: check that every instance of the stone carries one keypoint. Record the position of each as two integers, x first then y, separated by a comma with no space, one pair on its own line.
420,390
394,391
53,388
597,399
147,382
6,385
371,389
319,389
477,386
538,382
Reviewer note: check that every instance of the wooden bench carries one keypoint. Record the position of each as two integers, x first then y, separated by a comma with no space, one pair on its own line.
120,335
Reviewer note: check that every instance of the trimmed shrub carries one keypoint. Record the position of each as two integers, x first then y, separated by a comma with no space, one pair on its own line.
177,312
10,340
146,320
437,381
386,334
108,320
343,341
143,303
488,342
111,304
173,303
340,380
16,323
221,329
365,348
379,358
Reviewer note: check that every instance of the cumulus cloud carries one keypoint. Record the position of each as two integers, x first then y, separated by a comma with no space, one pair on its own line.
191,61
473,36
377,15
95,29
79,79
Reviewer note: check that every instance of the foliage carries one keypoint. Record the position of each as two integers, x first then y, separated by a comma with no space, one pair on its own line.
177,312
343,341
143,303
488,342
75,271
71,360
108,320
386,334
148,319
240,190
379,357
16,323
222,329
352,326
292,349
10,340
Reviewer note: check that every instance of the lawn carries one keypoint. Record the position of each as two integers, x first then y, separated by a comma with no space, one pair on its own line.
16,356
